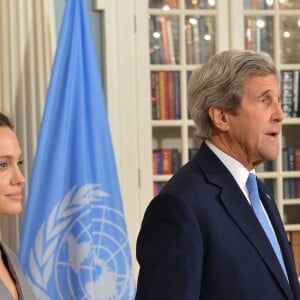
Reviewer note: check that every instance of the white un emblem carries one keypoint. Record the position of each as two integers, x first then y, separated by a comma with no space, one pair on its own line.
85,250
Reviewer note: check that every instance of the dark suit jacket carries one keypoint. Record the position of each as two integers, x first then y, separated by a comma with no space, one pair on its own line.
24,291
200,239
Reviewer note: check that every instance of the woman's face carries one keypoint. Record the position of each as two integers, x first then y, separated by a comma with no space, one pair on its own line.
11,177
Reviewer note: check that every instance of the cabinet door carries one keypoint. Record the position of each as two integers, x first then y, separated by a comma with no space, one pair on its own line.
178,36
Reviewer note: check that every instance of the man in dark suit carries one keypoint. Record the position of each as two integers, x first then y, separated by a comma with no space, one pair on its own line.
200,237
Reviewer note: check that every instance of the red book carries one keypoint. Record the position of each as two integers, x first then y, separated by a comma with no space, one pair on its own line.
165,39
166,159
297,158
295,242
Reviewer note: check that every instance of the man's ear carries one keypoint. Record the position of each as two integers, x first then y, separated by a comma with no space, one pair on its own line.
219,118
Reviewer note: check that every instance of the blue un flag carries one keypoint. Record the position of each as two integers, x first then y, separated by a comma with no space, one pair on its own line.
74,243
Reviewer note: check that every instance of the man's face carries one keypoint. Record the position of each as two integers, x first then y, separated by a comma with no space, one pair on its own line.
255,129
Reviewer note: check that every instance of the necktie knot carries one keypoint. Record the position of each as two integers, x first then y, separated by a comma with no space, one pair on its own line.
252,184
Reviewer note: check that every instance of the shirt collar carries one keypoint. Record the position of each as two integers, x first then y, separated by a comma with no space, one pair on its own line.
238,171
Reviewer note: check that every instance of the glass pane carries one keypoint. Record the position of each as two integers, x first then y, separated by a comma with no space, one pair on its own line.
291,158
290,39
194,142
290,93
258,4
291,188
291,214
165,95
259,34
268,166
199,38
188,74
289,4
164,39
200,4
163,4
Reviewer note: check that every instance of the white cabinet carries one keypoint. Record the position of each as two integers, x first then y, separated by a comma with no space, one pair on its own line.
175,35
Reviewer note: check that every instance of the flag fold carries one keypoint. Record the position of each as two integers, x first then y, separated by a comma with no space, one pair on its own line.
74,242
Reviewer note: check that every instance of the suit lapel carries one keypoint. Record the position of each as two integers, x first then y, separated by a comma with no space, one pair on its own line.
239,209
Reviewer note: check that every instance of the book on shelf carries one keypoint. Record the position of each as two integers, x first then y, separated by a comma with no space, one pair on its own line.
155,96
172,3
259,34
164,39
199,4
177,97
157,187
155,41
171,96
291,158
200,39
157,162
165,95
256,4
291,162
295,244
196,45
160,4
290,93
267,166
189,42
171,45
166,161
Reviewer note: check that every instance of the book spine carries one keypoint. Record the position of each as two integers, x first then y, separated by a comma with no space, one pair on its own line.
162,95
171,96
166,154
165,39
295,244
177,97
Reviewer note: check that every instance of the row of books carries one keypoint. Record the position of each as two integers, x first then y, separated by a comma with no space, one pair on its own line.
164,39
267,166
291,188
259,34
165,95
291,158
200,39
189,4
199,4
291,162
290,92
167,161
257,4
171,4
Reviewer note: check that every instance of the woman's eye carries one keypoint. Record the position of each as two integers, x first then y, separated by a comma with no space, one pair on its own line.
20,162
3,165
